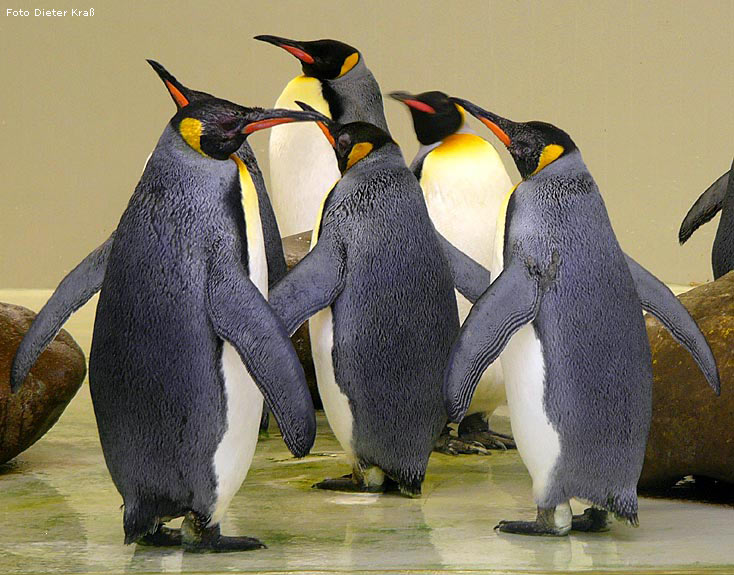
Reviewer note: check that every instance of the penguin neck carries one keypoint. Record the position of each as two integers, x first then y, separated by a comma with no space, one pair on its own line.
174,159
355,97
568,164
424,149
386,156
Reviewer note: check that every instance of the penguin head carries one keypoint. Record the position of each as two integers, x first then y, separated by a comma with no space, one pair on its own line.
435,116
351,142
533,145
214,127
320,59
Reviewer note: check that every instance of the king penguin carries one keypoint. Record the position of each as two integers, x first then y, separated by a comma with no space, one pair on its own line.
337,83
184,344
566,313
463,181
379,292
718,197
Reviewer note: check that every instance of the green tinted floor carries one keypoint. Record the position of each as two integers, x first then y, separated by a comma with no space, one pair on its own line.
60,513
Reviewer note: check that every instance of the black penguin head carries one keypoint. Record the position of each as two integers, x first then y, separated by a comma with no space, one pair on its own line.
435,116
533,145
320,59
351,142
214,127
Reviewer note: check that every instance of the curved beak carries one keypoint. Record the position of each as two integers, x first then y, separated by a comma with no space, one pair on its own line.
412,101
298,49
500,126
327,125
258,119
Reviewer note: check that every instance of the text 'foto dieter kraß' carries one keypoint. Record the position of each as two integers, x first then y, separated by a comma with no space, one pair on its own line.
73,12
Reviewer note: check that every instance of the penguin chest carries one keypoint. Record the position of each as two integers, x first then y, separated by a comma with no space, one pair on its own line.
302,163
336,403
523,365
243,399
464,182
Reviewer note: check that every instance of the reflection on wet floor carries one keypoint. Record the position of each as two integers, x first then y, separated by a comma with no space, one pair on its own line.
60,513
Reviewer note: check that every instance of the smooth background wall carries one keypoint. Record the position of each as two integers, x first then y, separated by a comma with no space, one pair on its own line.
644,88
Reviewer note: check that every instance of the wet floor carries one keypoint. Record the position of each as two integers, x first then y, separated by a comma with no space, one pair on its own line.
60,513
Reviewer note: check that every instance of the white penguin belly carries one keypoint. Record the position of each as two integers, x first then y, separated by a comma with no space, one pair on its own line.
234,454
464,182
303,166
524,372
336,403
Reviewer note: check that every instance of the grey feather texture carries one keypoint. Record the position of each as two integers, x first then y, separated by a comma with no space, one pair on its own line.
379,264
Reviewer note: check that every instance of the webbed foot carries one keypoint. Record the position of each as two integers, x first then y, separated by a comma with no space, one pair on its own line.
197,538
475,429
162,537
451,445
591,521
553,522
347,483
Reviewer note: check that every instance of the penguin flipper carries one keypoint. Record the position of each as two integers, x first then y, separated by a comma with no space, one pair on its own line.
512,301
657,299
274,254
79,285
470,277
706,207
241,316
313,284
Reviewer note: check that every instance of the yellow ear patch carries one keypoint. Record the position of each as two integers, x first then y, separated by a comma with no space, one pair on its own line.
549,154
358,152
190,130
462,112
349,63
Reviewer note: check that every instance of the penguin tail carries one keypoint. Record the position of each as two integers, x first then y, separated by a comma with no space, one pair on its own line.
624,507
138,523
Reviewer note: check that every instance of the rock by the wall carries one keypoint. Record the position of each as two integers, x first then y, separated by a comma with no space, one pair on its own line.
693,430
53,381
296,247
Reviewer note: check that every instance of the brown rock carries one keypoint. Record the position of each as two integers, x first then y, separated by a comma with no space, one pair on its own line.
693,430
53,381
296,247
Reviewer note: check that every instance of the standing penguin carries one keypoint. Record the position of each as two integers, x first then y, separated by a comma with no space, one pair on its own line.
719,196
184,341
386,317
337,83
567,311
463,181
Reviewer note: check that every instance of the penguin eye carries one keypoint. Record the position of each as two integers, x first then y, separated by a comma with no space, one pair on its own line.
344,143
229,124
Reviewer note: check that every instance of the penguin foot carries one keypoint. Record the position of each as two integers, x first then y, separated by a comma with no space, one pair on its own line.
546,523
490,440
451,445
528,528
592,521
197,538
347,483
161,537
475,428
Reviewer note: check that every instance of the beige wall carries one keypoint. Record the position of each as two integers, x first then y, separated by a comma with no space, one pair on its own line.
644,88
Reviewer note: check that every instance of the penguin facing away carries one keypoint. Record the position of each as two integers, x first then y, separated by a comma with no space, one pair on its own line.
565,312
337,83
464,182
184,344
718,197
383,314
